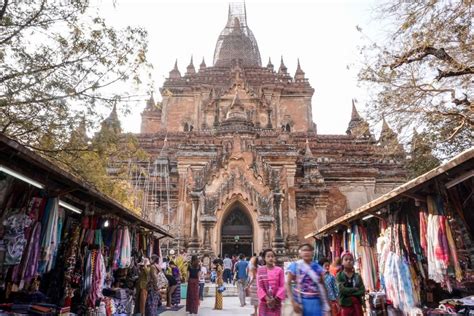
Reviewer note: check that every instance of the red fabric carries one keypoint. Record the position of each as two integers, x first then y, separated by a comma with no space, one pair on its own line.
423,230
335,308
334,270
442,252
192,296
354,310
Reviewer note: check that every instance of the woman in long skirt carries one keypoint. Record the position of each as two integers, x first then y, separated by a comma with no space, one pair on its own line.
192,296
271,286
219,283
176,296
153,300
252,285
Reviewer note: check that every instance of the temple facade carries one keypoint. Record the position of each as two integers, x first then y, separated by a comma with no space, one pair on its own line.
247,167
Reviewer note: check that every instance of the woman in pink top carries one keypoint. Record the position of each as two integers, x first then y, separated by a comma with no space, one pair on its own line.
271,286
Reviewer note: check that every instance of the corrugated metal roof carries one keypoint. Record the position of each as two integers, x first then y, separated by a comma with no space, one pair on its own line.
27,162
465,158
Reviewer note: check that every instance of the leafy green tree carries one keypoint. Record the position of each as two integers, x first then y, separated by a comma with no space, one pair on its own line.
58,63
95,160
421,157
422,76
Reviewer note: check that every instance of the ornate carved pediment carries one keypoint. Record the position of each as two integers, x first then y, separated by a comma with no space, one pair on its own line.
237,180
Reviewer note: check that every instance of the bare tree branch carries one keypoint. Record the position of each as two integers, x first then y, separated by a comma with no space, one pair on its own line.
420,53
24,25
453,73
4,9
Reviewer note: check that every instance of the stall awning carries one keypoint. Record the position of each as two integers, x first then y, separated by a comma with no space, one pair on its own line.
59,182
455,170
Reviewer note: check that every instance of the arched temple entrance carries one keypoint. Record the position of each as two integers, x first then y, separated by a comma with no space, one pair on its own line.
237,232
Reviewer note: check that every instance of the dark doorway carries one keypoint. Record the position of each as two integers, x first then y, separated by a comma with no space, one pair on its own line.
237,232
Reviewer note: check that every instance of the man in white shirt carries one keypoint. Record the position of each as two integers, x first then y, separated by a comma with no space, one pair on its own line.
227,269
202,281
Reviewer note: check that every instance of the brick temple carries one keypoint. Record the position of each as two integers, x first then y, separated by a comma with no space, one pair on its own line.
247,167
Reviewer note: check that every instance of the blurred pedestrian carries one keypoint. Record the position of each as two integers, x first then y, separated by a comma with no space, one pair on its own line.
241,273
202,281
227,269
308,296
252,283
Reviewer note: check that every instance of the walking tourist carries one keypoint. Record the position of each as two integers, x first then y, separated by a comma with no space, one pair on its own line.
241,272
192,296
153,300
270,286
351,287
227,269
202,281
219,282
331,287
175,295
172,286
142,284
252,284
308,296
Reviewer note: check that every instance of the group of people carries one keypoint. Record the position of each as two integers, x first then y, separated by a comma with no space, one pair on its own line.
158,280
155,280
313,288
324,289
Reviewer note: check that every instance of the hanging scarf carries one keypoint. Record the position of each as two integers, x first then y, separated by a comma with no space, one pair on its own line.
30,267
423,231
49,240
97,278
454,255
117,250
125,251
87,280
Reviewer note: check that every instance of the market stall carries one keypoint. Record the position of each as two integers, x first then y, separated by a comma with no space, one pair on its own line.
414,246
62,243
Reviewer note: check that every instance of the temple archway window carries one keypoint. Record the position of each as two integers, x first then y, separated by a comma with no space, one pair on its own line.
187,127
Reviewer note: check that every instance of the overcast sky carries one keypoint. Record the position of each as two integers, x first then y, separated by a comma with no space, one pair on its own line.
322,34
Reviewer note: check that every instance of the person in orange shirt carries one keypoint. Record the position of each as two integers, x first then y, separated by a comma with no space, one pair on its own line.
336,267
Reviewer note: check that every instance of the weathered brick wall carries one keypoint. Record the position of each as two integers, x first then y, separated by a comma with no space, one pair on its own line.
180,109
296,109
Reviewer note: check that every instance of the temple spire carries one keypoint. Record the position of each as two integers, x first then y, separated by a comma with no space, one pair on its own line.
358,127
282,69
355,115
79,135
113,115
270,65
150,104
174,73
190,70
236,41
112,122
385,128
389,139
202,65
387,135
299,74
